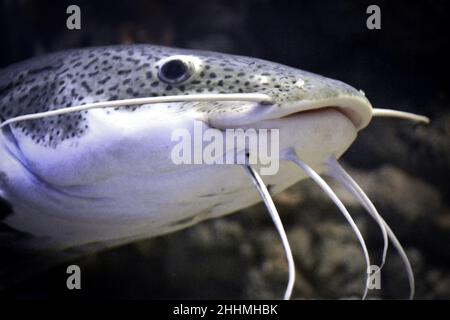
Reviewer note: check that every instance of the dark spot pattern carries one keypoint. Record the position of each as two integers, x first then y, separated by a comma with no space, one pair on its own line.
82,76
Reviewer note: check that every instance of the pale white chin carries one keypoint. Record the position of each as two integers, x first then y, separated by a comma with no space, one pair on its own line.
315,134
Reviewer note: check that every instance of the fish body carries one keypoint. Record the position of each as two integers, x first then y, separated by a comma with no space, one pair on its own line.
106,175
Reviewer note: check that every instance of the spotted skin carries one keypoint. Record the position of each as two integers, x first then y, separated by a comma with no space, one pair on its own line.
104,177
81,182
81,76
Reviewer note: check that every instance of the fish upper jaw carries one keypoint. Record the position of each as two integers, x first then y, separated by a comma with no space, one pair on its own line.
314,92
302,92
355,107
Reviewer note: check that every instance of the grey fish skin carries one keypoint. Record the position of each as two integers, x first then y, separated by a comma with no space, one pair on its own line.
81,76
105,176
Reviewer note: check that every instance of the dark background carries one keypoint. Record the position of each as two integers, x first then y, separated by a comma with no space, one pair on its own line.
404,167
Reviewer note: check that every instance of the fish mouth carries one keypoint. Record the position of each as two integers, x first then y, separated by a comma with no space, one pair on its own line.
357,109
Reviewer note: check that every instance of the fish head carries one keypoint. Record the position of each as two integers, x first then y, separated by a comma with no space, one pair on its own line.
119,159
316,115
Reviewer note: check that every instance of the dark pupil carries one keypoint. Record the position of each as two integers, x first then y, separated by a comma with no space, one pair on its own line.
173,70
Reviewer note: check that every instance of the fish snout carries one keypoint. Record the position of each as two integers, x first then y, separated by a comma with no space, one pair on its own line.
313,92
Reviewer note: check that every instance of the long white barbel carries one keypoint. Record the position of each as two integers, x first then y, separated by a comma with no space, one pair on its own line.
251,97
265,195
291,155
390,113
352,186
336,171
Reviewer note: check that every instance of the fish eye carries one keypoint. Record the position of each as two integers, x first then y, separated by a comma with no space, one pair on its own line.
174,71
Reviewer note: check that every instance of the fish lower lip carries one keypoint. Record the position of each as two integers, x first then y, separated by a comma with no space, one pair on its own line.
339,109
357,109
